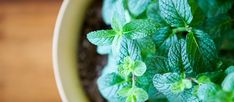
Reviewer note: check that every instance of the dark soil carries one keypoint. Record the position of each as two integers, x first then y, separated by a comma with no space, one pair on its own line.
91,63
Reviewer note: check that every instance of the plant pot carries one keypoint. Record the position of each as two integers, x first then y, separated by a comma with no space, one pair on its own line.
65,46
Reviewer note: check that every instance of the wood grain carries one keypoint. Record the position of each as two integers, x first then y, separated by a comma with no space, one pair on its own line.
26,30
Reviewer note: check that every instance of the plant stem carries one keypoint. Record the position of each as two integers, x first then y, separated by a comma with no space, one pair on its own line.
181,29
133,80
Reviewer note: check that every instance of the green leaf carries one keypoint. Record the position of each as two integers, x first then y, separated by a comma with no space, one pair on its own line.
140,94
104,50
163,39
101,37
110,84
116,45
217,27
126,67
187,83
130,48
137,29
154,13
131,99
139,68
213,8
203,79
119,18
205,91
147,46
107,10
158,64
196,10
228,83
201,49
165,83
178,58
177,13
229,70
134,94
137,7
125,91
215,76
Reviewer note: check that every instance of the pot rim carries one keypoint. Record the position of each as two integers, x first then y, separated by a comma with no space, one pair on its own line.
64,50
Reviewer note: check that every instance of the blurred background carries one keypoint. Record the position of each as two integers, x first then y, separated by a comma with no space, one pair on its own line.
26,31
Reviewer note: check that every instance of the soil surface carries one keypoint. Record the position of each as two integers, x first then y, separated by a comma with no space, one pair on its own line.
91,63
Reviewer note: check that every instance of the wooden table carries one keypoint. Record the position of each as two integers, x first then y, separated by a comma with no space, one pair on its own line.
26,30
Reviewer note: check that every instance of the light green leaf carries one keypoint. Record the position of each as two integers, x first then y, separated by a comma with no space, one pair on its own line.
104,50
130,48
134,94
126,67
116,45
108,10
137,29
201,49
205,91
118,18
139,68
101,37
203,79
131,98
228,83
110,84
177,13
229,70
125,92
137,7
178,58
141,95
163,39
187,83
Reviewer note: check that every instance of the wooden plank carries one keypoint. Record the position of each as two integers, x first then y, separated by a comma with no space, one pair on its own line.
26,30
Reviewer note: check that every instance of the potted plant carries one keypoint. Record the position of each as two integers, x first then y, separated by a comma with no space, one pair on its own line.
158,50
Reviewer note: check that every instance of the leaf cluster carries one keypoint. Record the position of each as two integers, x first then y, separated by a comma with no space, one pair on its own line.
167,50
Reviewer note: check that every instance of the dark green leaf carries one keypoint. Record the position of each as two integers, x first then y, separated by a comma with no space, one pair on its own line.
213,8
201,49
101,37
147,47
177,13
154,13
163,39
198,17
178,59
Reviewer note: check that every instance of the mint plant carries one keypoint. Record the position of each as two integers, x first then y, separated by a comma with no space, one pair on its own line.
167,50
